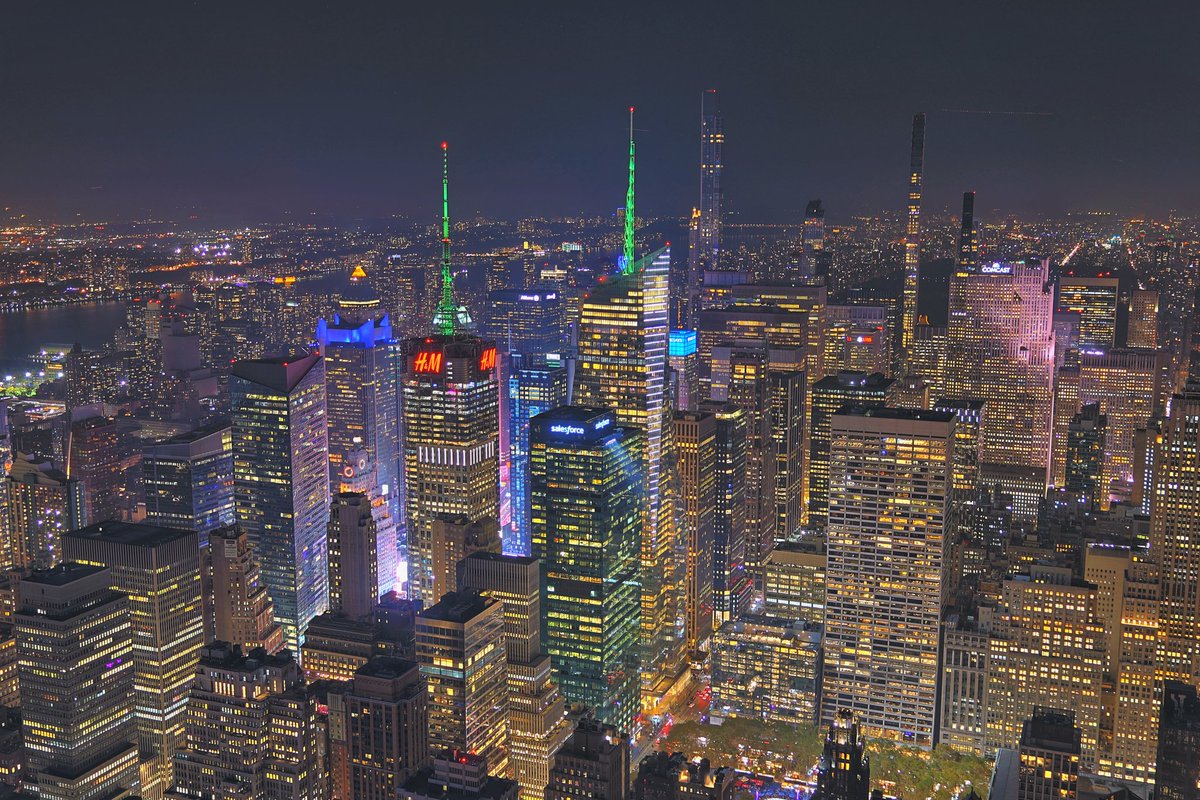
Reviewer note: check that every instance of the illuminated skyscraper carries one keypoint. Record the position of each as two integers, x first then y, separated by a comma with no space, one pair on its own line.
1143,319
460,647
622,365
1175,536
1095,300
531,391
159,570
817,259
732,587
281,481
252,729
96,450
828,395
705,252
1049,755
1001,351
587,487
912,232
537,712
892,511
76,670
362,370
845,771
1047,648
1130,387
685,376
740,377
696,441
451,444
243,613
787,421
188,480
451,424
43,504
1127,607
529,322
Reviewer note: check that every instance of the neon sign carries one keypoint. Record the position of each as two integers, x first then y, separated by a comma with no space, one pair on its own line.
487,360
429,361
602,424
569,430
996,268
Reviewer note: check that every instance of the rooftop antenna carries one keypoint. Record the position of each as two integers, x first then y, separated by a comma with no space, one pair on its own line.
626,261
444,318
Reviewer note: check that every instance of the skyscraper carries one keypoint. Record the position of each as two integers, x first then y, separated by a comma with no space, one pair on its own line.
251,726
844,772
1178,775
451,443
188,480
685,375
1001,351
1095,300
529,322
594,763
362,567
281,481
243,612
1047,648
537,712
828,395
451,425
460,647
705,253
159,570
912,232
892,511
732,587
1049,755
622,365
362,368
696,441
1143,319
43,504
96,449
741,377
968,241
381,722
532,390
1129,385
75,647
1085,453
587,498
1175,536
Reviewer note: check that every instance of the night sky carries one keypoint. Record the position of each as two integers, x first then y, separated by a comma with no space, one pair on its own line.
247,111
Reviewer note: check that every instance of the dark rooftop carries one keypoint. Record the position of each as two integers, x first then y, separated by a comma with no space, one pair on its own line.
131,533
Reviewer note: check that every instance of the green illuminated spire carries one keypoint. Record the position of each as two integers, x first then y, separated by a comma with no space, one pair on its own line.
443,320
627,253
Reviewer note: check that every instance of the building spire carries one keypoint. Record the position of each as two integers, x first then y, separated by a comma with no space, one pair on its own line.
627,251
444,318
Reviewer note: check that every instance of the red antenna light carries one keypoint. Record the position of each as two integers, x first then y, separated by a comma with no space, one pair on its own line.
445,145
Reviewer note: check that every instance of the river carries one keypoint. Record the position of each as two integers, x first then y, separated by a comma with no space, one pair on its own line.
24,333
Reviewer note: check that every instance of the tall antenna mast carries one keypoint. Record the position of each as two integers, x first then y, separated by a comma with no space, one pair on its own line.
627,253
444,318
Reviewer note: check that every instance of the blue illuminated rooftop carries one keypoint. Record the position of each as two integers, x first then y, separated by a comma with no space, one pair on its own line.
682,343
